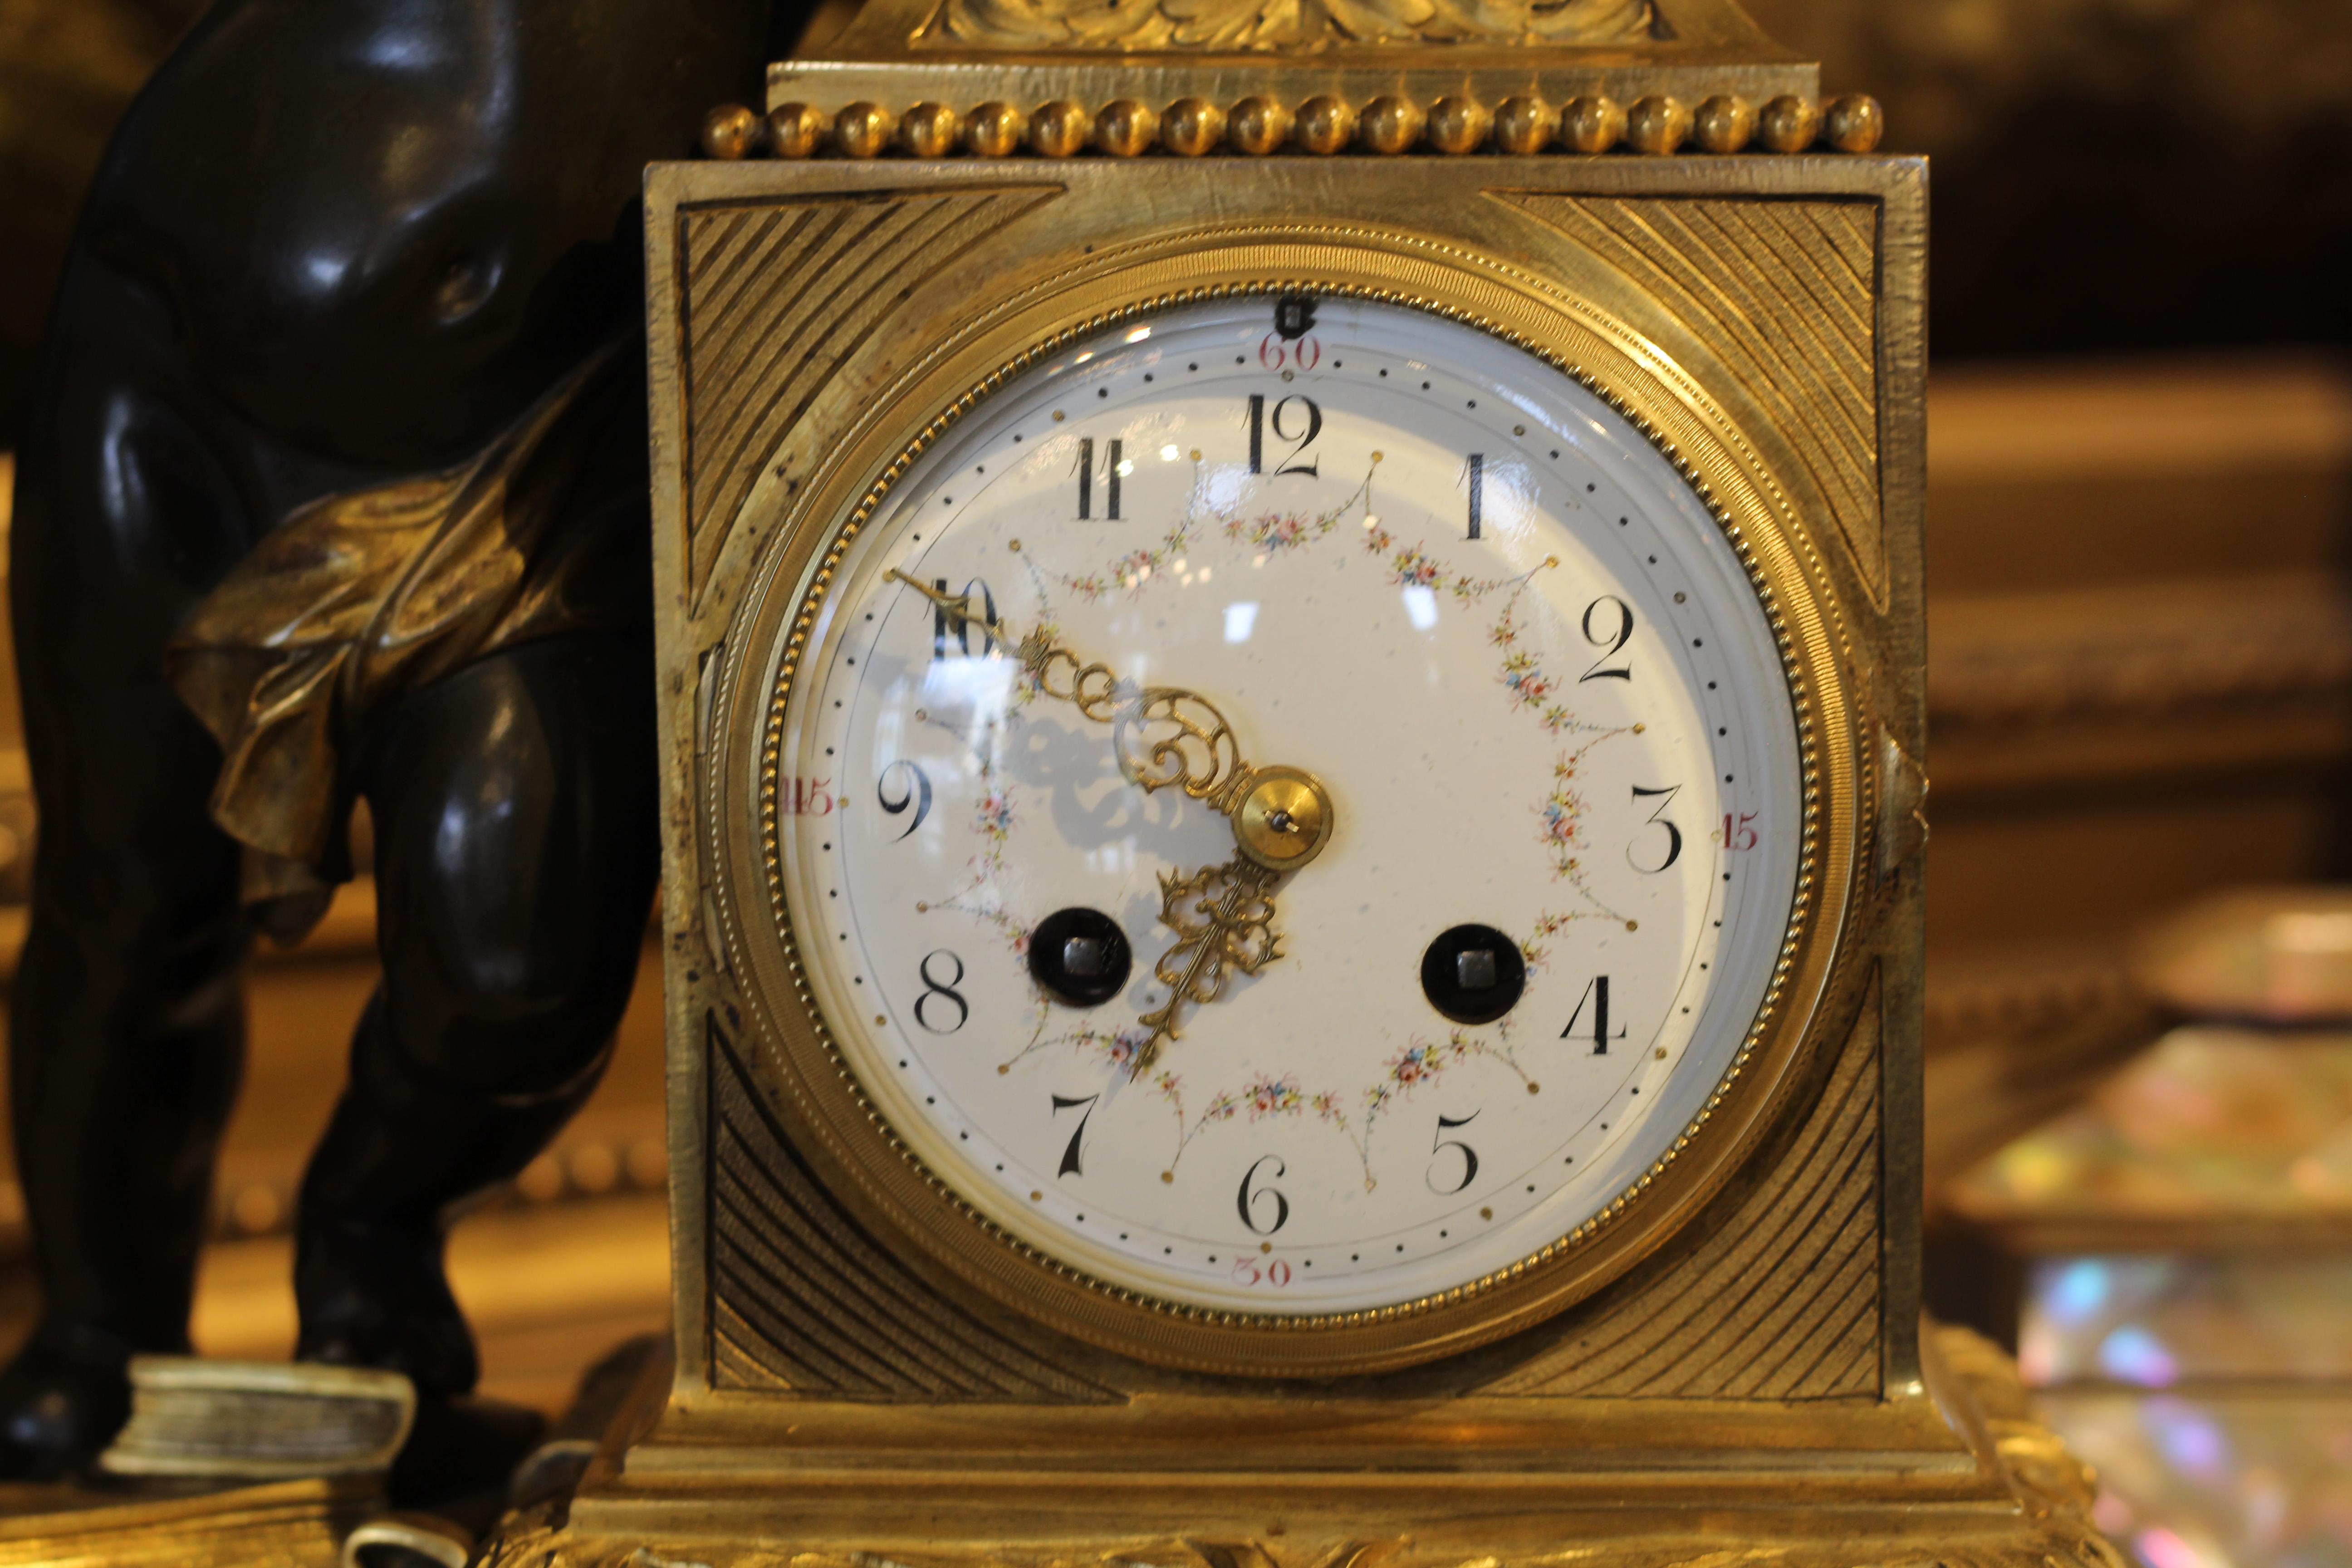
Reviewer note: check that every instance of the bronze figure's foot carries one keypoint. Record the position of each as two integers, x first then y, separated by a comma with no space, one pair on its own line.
460,1455
62,1400
372,1296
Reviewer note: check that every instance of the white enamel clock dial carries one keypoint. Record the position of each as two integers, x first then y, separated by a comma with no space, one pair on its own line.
1533,679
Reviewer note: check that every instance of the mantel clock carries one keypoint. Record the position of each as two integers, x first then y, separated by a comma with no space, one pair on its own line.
1291,648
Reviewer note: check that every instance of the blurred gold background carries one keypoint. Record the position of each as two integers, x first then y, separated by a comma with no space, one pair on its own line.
2140,680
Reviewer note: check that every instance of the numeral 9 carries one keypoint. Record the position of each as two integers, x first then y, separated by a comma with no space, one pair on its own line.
916,793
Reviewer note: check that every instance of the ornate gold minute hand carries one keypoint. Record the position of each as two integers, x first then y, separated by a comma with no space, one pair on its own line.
1166,736
1223,920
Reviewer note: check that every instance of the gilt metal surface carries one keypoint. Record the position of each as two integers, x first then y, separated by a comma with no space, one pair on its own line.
1031,52
2001,1493
1093,283
286,1524
1728,1361
1729,410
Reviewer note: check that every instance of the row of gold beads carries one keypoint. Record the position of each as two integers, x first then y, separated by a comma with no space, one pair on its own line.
1193,127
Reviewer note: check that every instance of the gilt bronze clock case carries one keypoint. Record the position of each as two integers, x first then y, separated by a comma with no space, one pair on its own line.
1102,287
1730,1351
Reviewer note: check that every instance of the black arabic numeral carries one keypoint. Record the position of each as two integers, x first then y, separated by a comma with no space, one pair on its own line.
917,793
935,988
1314,428
1070,1165
1658,819
1247,1201
959,633
1440,1143
1087,478
1597,993
1259,420
1609,642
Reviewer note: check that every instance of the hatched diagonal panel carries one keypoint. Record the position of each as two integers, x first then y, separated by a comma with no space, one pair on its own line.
1785,292
805,1300
1779,1301
775,298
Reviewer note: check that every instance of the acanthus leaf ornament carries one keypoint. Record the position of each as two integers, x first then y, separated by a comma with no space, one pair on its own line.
1202,26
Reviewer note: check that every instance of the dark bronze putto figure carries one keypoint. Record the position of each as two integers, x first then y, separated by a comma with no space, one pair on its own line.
335,490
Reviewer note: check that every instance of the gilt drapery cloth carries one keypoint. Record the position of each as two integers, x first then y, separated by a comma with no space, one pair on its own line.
362,595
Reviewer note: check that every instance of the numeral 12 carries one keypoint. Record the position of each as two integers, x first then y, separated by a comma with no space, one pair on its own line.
1258,421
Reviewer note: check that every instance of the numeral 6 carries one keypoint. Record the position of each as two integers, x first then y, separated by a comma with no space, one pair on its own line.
1250,1201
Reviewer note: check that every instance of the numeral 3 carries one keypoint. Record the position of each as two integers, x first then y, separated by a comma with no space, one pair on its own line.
1658,819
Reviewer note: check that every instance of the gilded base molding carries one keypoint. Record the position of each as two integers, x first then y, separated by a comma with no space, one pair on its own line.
287,1524
2032,1509
541,1547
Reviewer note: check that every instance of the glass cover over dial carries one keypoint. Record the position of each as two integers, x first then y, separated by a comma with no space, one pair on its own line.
1292,806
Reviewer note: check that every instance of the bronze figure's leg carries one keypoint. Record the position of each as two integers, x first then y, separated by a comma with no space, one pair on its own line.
517,852
127,1018
331,246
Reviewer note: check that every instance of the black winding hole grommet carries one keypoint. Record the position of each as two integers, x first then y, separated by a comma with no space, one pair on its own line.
1080,956
1473,974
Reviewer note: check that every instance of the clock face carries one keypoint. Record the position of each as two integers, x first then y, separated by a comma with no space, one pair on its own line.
1524,863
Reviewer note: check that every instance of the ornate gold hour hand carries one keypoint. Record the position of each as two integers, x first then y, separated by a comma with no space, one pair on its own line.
1166,736
1223,920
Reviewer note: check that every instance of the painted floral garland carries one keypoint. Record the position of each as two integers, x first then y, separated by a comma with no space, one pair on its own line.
1529,688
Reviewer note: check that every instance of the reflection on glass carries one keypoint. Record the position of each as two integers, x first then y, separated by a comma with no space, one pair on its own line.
2155,1321
2219,1126
2211,1385
2218,1479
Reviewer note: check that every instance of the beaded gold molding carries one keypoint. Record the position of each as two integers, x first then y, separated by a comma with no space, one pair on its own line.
1389,125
